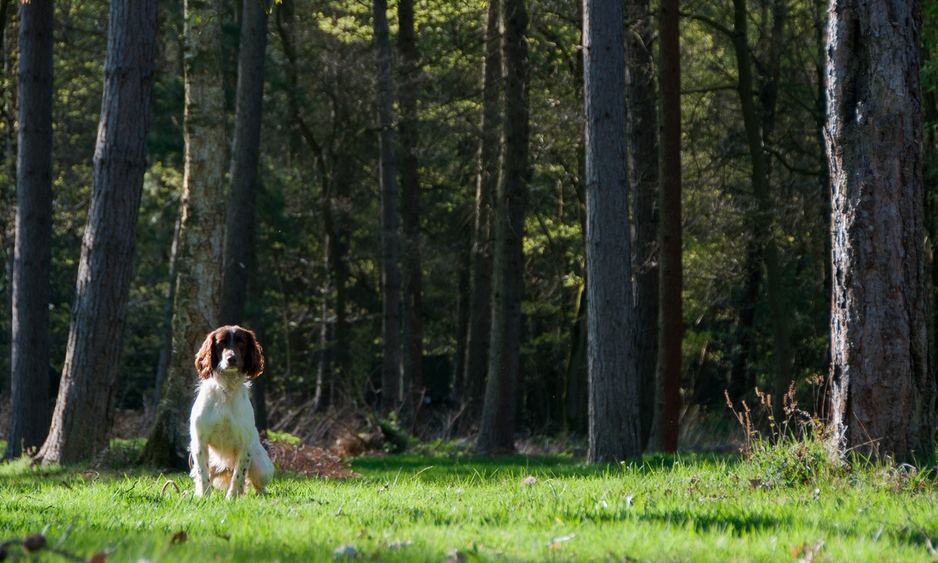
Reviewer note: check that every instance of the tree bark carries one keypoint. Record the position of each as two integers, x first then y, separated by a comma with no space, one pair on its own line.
32,255
410,208
614,425
239,252
480,282
199,259
763,220
667,418
642,128
883,395
499,411
390,227
84,410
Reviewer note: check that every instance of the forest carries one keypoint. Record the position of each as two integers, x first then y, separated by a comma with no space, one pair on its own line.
595,230
469,280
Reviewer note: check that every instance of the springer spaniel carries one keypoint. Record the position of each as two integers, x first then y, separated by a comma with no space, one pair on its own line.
225,446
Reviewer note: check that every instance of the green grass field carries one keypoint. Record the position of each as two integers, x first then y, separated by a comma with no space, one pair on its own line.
411,508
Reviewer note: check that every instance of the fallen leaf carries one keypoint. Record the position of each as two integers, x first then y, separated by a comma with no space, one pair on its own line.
98,558
179,537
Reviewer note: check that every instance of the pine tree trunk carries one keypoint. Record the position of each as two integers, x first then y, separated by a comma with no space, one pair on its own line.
667,418
239,259
499,411
614,425
84,410
642,128
199,258
480,282
390,229
883,395
410,208
29,383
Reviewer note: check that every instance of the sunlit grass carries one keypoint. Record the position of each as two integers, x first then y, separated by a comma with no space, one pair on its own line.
423,508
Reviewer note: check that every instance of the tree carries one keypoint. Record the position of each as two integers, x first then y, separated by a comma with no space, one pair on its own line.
882,394
199,255
390,229
239,256
614,429
410,209
30,412
480,281
642,140
764,218
84,409
499,410
666,424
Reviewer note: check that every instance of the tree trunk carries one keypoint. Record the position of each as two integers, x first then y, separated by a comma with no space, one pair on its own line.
458,387
614,425
667,419
764,218
410,208
239,259
883,396
576,404
480,283
642,128
199,259
166,335
742,378
390,230
29,383
499,411
84,410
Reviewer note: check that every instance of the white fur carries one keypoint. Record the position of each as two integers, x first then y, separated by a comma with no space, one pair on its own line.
225,446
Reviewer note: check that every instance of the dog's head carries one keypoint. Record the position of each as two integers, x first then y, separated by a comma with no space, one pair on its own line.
230,348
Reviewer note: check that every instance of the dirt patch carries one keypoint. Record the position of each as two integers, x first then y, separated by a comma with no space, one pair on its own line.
308,460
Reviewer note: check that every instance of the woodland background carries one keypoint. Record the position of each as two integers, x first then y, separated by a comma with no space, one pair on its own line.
318,181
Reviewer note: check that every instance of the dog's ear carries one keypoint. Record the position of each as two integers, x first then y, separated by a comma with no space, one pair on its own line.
254,356
205,357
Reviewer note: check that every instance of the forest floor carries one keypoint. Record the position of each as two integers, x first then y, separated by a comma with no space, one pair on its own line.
420,508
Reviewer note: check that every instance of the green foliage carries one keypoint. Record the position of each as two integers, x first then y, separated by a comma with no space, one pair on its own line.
415,508
285,437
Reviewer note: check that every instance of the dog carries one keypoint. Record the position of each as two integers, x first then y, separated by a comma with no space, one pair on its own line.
225,446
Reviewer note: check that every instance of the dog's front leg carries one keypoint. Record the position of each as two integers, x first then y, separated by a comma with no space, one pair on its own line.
240,472
200,468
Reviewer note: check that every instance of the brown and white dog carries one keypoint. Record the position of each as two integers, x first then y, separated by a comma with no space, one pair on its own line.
225,446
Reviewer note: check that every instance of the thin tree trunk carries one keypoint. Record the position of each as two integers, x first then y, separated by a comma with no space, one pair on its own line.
84,410
614,424
410,207
499,411
667,418
883,395
30,412
480,282
390,229
239,252
166,333
764,218
576,405
742,378
199,258
642,128
458,387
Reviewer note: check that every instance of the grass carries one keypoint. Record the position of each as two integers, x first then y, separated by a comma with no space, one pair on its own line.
699,508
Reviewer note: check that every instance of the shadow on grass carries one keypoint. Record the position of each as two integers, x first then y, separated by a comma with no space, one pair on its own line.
449,468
